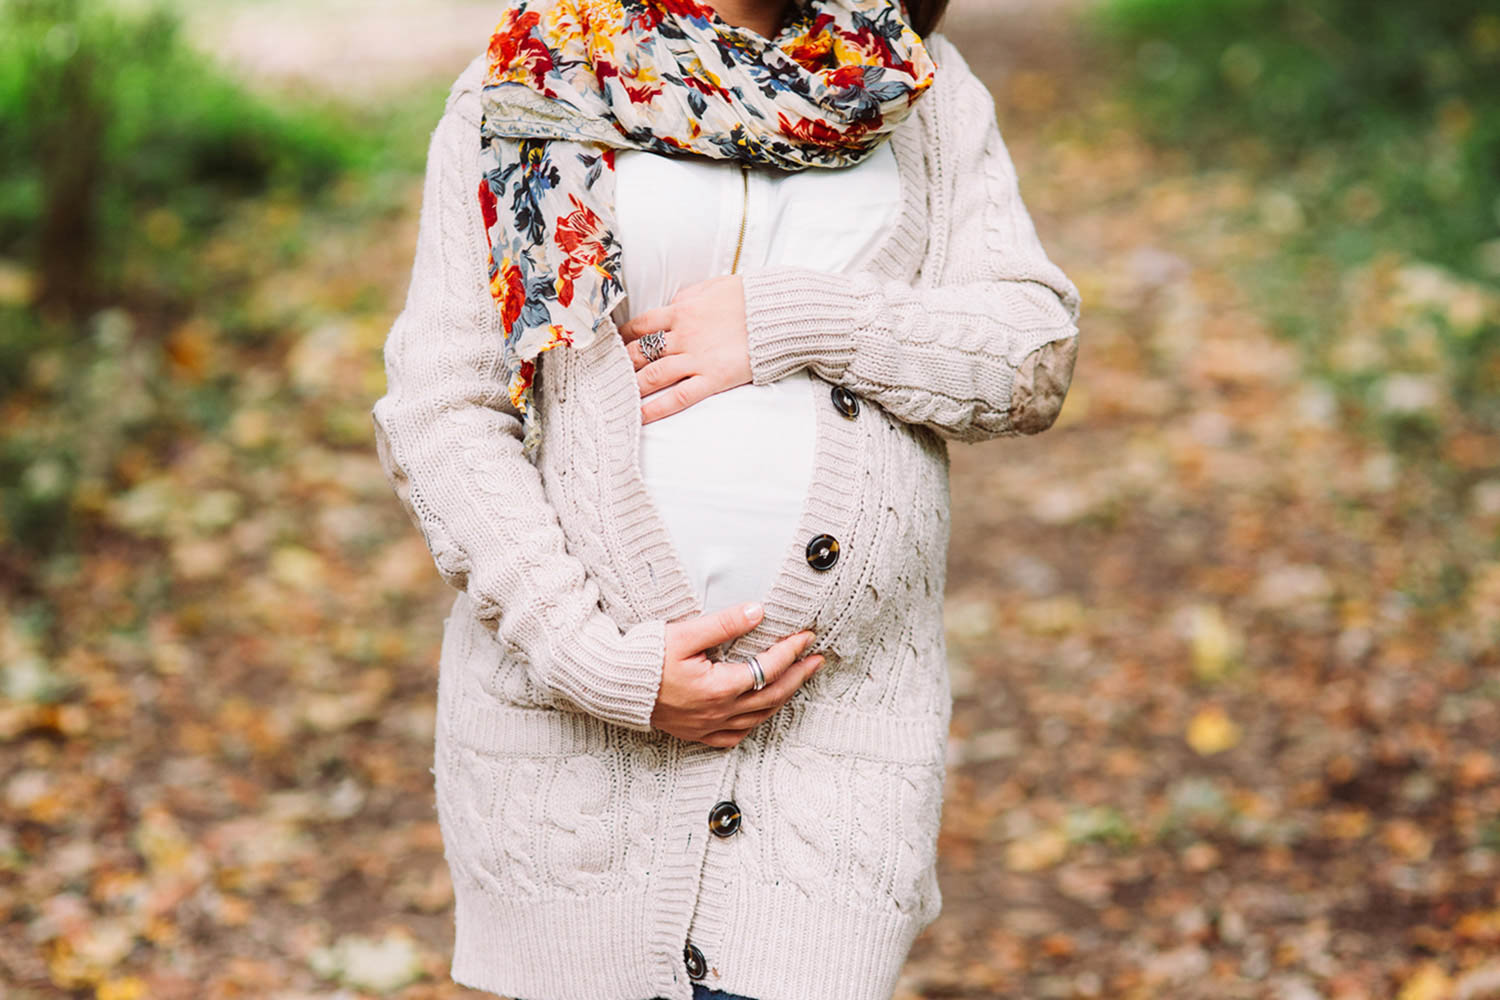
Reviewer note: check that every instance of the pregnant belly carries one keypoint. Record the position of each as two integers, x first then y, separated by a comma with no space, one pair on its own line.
730,474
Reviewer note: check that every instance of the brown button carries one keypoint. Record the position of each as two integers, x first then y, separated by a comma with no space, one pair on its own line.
846,401
822,552
697,965
724,819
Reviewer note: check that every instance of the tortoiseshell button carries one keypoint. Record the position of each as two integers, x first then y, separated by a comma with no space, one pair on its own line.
846,401
724,819
697,965
822,552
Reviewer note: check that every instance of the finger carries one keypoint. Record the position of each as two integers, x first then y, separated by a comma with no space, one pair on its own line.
643,323
749,720
707,630
676,399
660,374
725,737
774,661
778,692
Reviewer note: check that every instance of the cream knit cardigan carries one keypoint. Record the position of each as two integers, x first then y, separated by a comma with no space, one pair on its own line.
577,836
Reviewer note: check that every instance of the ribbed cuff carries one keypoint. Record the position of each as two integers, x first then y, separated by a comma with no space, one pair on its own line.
613,677
797,317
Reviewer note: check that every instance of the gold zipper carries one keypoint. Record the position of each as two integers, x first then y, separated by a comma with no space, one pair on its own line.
744,211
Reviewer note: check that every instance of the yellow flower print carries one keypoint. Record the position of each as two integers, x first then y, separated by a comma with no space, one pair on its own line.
605,14
693,66
851,54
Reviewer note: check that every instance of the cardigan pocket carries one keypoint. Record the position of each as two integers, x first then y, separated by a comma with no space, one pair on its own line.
536,800
853,804
546,802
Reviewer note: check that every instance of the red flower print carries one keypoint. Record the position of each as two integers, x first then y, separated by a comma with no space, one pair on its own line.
509,292
642,93
519,383
647,18
820,133
513,47
846,76
581,234
705,86
813,50
684,8
872,47
585,240
567,272
487,206
604,69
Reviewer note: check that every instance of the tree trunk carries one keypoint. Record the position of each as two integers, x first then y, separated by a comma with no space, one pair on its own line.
70,152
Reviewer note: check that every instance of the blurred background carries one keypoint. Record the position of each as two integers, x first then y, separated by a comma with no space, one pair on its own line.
1223,639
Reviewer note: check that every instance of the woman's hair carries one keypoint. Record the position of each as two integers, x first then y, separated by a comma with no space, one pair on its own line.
925,14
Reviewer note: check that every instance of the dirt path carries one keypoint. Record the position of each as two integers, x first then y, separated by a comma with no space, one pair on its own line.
363,50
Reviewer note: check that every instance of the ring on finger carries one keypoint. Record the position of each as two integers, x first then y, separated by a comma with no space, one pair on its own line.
757,674
654,345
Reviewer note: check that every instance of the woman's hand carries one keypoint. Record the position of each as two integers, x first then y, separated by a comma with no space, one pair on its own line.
714,702
707,346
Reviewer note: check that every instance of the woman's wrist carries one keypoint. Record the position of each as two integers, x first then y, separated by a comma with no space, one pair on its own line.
611,674
797,317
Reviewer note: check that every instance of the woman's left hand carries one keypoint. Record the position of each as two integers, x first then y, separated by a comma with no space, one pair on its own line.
707,346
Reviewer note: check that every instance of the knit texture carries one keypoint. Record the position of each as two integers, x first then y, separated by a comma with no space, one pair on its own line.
577,836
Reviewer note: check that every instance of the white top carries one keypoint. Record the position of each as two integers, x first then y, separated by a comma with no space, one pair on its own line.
730,473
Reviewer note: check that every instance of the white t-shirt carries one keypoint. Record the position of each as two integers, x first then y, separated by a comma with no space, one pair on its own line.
730,473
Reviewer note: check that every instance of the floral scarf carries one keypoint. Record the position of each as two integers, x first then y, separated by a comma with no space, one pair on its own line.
570,81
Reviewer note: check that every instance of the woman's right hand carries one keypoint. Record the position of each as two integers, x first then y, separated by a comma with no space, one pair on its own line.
710,702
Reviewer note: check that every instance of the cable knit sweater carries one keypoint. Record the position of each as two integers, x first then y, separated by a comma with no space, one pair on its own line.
577,835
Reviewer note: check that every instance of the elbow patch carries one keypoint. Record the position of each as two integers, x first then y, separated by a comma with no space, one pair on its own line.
1041,385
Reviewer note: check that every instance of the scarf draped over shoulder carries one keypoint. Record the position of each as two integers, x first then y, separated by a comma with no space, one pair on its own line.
568,82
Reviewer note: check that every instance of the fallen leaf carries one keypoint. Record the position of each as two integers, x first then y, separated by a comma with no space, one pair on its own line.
1211,731
1036,851
1216,645
1429,982
381,966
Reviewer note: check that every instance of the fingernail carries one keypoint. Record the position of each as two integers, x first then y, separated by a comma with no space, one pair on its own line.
753,612
817,662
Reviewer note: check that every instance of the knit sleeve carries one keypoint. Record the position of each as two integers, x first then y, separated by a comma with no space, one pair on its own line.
448,439
983,343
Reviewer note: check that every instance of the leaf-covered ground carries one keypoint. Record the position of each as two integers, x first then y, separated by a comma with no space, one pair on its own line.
1225,724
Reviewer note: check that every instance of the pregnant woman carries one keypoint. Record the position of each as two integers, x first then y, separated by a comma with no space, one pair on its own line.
702,292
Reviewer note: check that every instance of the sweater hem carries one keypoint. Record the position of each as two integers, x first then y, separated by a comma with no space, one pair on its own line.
780,944
511,948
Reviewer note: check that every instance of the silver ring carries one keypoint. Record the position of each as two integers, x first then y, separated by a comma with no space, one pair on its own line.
654,344
756,673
